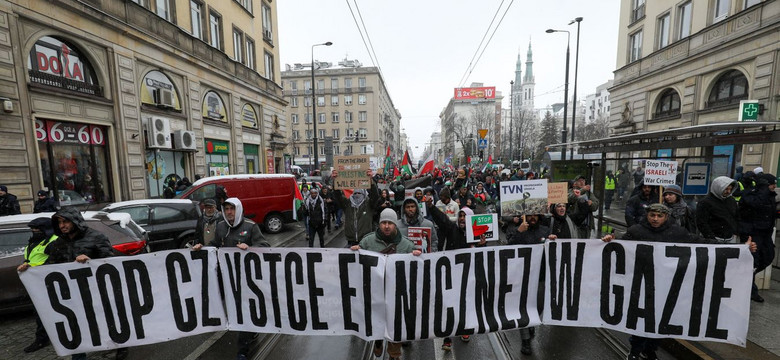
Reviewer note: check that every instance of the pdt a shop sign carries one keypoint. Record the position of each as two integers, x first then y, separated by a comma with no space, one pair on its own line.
54,63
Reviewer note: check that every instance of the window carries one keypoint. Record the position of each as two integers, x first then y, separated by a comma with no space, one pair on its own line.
349,149
347,99
294,118
362,83
320,84
269,66
362,116
334,84
307,86
215,30
721,10
638,11
163,9
309,149
294,86
246,4
663,30
361,99
730,88
635,46
321,133
295,134
250,54
334,117
196,16
268,34
297,150
306,101
334,100
307,118
336,150
320,101
238,42
749,3
350,133
348,116
668,105
321,116
347,83
684,14
362,133
308,135
336,135
294,101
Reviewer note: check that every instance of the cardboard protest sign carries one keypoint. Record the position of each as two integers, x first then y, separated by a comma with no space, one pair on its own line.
650,289
484,224
352,172
524,197
418,234
557,192
658,172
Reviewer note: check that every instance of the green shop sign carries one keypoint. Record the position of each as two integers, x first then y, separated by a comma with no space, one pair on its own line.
217,147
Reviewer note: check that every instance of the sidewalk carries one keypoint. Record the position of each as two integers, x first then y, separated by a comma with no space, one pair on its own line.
763,338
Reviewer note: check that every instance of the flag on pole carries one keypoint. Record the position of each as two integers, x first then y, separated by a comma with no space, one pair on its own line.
297,202
406,165
388,161
489,164
428,165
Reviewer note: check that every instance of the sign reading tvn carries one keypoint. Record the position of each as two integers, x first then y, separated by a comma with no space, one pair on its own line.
475,93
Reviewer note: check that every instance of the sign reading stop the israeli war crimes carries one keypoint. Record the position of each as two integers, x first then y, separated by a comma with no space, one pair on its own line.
524,197
482,224
352,172
659,172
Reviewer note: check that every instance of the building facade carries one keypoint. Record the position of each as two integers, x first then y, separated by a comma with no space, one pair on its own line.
461,120
110,99
354,111
686,63
597,105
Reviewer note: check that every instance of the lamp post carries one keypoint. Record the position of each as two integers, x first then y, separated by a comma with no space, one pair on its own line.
565,92
314,104
511,119
576,66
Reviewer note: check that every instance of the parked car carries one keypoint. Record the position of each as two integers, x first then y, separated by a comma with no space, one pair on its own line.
126,237
268,199
169,223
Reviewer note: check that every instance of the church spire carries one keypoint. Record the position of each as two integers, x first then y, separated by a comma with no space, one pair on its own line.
529,66
518,70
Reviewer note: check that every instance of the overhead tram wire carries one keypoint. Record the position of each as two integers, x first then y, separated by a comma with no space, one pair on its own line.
376,58
491,36
373,62
463,78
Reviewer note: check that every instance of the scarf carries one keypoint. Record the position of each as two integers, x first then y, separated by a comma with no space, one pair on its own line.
357,198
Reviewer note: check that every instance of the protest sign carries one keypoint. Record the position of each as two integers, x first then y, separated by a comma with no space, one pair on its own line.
304,291
658,172
352,172
557,193
462,292
524,197
650,289
418,234
127,301
478,225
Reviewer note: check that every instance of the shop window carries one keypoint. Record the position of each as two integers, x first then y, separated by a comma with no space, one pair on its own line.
162,167
55,63
158,90
729,89
668,105
213,107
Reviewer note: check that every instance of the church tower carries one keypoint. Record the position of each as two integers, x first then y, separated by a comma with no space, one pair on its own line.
517,100
527,88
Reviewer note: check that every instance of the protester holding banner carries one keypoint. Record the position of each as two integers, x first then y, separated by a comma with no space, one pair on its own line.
387,239
206,227
681,214
561,226
582,204
237,231
358,209
34,255
656,227
638,202
315,214
758,212
413,217
716,214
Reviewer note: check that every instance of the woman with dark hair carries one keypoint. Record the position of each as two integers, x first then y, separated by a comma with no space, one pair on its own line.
561,225
384,202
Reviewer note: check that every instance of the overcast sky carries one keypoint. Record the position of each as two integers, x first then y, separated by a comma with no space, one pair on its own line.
424,47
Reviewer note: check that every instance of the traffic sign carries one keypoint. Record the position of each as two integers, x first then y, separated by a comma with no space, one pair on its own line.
482,133
748,110
482,144
696,179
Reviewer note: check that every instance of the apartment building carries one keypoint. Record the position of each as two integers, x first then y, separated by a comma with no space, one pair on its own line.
107,100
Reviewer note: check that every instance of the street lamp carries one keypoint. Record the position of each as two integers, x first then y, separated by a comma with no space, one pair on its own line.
576,65
314,105
565,92
511,119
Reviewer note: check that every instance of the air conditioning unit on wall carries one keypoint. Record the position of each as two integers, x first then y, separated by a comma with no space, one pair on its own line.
158,133
184,140
163,98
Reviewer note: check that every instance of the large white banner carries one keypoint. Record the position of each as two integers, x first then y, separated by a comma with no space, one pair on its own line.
687,291
127,301
304,291
462,292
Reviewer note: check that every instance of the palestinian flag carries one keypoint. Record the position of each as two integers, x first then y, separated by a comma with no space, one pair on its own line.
297,202
388,162
406,165
489,163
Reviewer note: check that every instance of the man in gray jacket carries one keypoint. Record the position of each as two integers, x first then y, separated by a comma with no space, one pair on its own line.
412,216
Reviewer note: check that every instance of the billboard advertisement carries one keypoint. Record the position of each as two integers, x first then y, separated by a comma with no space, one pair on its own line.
471,93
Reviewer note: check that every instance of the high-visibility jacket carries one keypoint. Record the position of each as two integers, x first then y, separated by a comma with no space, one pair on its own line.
36,256
609,183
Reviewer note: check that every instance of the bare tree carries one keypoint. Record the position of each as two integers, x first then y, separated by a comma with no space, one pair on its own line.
526,134
548,133
592,130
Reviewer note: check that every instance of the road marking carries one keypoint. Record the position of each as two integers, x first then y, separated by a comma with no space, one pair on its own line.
195,354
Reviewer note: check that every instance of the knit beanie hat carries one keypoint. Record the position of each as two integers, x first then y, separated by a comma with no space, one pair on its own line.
388,215
661,208
674,189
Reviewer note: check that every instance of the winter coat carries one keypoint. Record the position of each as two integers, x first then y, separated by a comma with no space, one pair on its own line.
9,205
452,236
206,228
87,241
716,217
636,207
669,232
450,209
35,252
418,221
581,213
682,215
315,211
45,205
358,217
374,242
534,235
562,227
757,210
242,231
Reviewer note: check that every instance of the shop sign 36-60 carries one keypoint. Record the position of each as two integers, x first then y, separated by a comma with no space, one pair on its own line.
66,132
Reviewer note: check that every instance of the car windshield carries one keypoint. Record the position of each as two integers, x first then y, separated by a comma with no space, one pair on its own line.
13,241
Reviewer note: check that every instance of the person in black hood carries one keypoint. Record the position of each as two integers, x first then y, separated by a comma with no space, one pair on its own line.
9,205
44,203
758,213
642,197
716,214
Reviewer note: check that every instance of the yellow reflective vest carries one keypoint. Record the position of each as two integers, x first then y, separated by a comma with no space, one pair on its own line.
609,183
36,256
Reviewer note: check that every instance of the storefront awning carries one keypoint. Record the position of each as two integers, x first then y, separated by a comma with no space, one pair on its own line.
685,137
